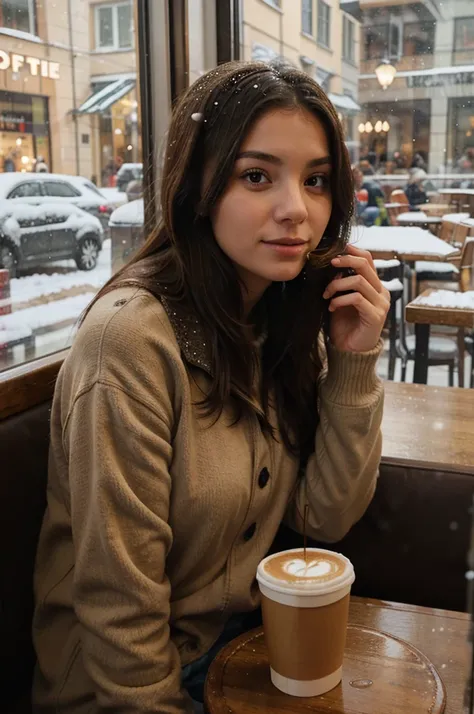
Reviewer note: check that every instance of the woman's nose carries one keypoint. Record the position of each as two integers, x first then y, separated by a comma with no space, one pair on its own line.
290,205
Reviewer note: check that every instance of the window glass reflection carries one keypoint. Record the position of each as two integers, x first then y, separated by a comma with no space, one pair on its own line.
70,147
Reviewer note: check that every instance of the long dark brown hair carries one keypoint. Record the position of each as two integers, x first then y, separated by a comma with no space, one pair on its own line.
182,261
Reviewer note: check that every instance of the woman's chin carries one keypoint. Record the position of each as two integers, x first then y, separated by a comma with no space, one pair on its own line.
285,272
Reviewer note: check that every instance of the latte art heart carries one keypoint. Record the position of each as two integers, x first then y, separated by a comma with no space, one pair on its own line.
316,568
301,568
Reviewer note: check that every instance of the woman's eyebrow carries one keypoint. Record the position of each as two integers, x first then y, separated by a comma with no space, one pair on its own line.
270,158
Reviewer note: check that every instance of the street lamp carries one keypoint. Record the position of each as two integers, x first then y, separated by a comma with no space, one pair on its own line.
385,73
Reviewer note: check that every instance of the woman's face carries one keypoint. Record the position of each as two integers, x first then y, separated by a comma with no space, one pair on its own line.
277,203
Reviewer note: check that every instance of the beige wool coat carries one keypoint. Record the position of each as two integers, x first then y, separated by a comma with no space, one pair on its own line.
157,518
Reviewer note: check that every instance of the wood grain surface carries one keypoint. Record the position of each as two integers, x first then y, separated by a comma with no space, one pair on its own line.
427,315
400,659
29,384
428,427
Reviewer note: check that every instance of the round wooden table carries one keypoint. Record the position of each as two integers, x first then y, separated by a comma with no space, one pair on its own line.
382,674
239,678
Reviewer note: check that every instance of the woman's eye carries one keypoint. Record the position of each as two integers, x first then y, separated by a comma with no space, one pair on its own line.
317,181
255,177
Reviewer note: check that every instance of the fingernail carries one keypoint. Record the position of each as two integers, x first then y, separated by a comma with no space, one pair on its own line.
325,294
336,261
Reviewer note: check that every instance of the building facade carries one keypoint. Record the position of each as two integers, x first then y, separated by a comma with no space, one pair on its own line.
68,86
317,36
68,74
429,107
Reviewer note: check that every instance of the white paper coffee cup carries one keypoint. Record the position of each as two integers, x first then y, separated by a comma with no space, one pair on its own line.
305,607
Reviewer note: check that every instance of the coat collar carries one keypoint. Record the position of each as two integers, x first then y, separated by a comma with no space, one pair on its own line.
189,335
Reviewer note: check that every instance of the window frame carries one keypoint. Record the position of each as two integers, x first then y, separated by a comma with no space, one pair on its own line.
324,8
30,383
370,28
32,17
406,39
346,24
458,22
115,47
305,12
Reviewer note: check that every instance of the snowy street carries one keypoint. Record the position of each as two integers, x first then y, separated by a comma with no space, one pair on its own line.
45,306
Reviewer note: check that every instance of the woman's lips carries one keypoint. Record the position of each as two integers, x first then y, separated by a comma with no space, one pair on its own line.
288,248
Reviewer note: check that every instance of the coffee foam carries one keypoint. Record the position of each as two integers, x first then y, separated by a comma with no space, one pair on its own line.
322,571
320,567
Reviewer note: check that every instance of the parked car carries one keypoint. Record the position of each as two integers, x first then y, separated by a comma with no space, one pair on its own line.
128,172
37,235
126,232
36,189
134,190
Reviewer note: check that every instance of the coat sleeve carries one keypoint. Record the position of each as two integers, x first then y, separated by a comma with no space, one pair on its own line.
341,474
119,452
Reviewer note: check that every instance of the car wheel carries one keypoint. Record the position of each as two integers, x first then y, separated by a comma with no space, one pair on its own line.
8,259
87,253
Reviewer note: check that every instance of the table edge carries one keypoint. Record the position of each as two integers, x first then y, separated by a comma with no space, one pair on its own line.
407,462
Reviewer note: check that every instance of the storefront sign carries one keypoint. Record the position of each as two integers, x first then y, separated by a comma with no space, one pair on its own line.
440,80
37,67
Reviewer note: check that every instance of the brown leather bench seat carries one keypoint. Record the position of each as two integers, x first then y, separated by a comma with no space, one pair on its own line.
411,545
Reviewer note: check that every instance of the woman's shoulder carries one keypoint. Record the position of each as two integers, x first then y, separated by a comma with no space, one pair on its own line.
128,317
126,340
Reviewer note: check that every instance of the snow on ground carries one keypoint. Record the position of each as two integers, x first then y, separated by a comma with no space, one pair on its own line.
30,287
23,322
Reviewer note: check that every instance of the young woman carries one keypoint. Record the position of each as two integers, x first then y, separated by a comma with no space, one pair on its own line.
218,384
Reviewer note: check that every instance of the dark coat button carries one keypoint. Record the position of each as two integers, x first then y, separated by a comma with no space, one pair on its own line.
250,532
264,477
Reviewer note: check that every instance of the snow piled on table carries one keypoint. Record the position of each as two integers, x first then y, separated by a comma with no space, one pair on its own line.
448,299
400,240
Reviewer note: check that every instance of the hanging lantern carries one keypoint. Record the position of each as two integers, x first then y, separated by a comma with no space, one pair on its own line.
385,126
385,74
361,128
368,127
378,127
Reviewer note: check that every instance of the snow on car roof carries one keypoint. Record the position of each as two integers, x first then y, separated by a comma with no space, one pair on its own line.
9,180
129,214
131,166
11,209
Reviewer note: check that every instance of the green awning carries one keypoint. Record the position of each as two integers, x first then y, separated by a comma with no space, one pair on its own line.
105,96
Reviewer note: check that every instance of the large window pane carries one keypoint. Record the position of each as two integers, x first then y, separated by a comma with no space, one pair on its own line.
70,156
307,17
376,41
18,15
124,21
106,26
324,19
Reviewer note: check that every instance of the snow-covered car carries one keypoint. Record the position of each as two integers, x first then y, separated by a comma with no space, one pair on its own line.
38,235
36,189
130,214
126,232
128,172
